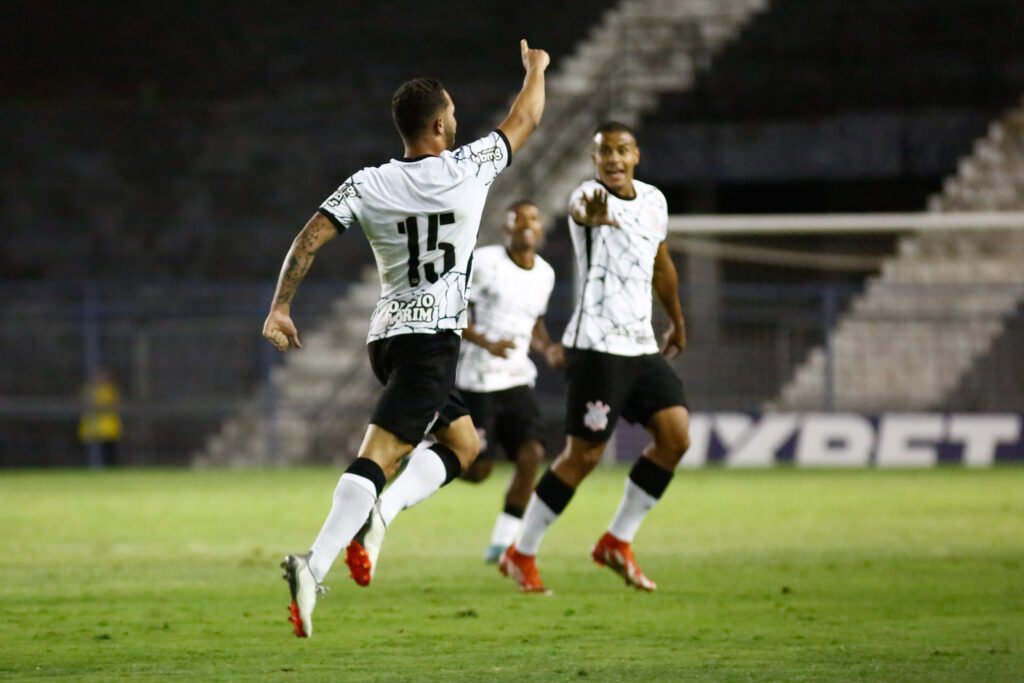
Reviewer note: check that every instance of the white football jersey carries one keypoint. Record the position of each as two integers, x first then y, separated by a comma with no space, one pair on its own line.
614,268
507,300
421,217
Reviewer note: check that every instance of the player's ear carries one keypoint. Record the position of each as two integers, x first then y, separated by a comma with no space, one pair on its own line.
636,156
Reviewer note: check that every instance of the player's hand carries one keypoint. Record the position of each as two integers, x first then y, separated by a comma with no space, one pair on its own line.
555,355
501,347
280,330
674,341
595,209
533,60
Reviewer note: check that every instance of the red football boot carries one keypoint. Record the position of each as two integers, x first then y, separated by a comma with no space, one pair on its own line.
618,556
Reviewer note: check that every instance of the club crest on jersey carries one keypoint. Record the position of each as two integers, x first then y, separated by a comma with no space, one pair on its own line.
653,218
346,191
596,418
418,310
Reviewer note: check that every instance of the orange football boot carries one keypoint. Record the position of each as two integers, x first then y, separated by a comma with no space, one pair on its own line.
618,556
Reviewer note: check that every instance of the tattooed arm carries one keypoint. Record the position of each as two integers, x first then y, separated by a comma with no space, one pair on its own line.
279,328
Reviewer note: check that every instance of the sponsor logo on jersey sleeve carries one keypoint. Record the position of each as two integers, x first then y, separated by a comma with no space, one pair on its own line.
346,191
491,154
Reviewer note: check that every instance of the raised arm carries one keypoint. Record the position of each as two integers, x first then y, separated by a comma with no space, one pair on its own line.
526,111
278,327
666,286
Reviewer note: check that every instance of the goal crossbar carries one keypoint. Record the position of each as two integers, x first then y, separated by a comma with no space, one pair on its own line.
764,224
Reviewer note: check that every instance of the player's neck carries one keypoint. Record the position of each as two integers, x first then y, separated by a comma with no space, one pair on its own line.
627,191
523,258
423,147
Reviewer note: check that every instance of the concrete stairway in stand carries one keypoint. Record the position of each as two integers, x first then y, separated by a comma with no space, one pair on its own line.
641,49
314,408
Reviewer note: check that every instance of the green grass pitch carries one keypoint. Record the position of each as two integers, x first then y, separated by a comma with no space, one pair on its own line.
781,575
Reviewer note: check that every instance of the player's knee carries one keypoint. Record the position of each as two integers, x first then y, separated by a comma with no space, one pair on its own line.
530,455
588,458
466,447
675,442
478,471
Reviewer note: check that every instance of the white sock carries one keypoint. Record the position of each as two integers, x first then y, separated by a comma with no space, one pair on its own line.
635,505
505,529
424,475
353,499
536,520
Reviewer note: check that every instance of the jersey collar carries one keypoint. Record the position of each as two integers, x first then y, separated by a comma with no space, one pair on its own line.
409,160
616,194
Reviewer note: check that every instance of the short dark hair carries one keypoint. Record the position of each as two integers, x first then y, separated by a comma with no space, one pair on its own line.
415,104
519,203
614,127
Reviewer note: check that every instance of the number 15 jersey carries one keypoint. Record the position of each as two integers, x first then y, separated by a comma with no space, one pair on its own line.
421,217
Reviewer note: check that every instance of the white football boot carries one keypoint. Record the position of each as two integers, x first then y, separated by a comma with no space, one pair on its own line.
304,589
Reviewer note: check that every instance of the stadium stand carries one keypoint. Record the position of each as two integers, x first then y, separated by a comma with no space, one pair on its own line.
826,105
202,135
194,144
199,138
329,417
939,305
642,49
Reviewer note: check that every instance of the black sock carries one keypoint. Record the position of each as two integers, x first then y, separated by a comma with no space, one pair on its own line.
650,477
368,469
452,466
514,510
554,492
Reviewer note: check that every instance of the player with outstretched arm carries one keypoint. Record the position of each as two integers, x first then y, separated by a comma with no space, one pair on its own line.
613,367
421,216
511,288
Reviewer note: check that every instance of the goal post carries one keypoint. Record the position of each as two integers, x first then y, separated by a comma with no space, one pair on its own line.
839,298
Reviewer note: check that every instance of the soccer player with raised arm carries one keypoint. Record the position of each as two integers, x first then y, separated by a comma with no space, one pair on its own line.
421,215
511,288
618,228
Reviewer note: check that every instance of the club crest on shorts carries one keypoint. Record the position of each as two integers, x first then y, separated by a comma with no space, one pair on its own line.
482,433
596,418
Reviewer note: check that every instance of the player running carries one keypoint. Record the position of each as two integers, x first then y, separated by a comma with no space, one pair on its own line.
511,288
421,215
618,227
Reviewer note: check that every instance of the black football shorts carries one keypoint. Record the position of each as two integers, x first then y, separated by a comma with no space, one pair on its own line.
602,386
505,420
418,374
